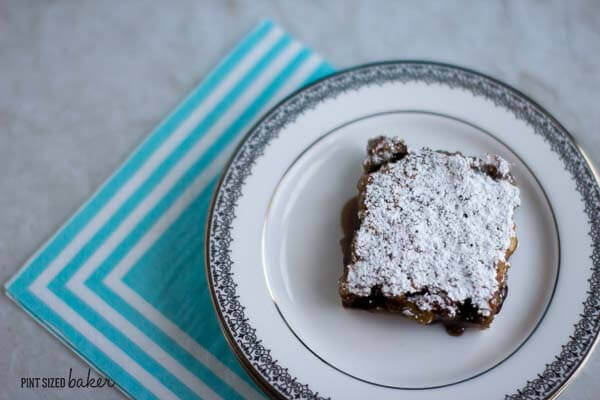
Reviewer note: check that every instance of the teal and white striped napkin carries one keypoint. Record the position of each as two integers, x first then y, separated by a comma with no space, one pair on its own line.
122,282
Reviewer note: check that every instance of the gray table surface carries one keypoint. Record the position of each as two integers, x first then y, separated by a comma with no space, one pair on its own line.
81,84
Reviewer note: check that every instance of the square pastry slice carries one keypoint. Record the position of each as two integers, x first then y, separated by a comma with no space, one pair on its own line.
433,235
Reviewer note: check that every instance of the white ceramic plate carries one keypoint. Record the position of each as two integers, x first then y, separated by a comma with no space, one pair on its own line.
273,254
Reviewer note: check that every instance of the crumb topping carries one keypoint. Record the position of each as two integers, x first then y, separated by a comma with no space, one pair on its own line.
383,149
434,226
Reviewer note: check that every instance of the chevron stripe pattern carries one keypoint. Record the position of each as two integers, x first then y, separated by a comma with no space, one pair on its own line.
122,282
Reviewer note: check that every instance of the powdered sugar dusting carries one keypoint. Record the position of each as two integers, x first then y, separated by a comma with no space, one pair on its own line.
434,221
499,165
